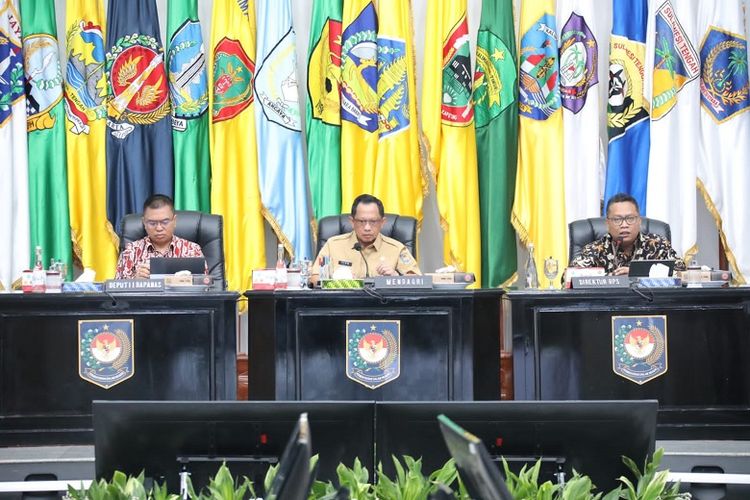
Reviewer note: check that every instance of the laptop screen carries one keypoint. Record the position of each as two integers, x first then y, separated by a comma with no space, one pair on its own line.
171,265
646,268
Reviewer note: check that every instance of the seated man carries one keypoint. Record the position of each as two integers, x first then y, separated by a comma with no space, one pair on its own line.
624,242
365,250
159,221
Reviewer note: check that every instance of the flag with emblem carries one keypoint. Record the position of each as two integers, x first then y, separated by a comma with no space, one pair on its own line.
400,180
48,180
323,116
359,99
188,91
674,68
14,188
94,242
627,109
139,135
448,124
496,115
579,74
725,127
235,193
539,204
281,161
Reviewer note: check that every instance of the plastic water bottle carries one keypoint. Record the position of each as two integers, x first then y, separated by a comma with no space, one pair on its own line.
532,278
281,275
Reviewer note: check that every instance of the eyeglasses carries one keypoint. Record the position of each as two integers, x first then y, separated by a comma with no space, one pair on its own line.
619,221
367,222
153,224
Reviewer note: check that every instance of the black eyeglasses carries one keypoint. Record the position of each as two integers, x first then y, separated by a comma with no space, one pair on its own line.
629,220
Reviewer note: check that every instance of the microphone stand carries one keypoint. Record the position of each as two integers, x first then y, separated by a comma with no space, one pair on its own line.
358,247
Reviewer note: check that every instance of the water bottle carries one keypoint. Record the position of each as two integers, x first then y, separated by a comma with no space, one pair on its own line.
281,275
532,279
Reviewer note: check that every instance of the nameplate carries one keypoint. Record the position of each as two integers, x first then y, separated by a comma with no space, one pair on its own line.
394,282
600,282
139,285
659,282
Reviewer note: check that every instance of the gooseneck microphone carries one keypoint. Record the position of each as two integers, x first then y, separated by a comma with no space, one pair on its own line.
618,243
358,247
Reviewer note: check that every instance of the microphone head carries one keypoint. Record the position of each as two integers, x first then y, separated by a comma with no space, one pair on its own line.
357,247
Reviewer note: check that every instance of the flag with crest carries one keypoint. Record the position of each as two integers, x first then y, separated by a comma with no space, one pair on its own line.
448,124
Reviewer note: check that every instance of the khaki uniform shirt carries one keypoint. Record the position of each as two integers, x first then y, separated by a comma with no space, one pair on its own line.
384,250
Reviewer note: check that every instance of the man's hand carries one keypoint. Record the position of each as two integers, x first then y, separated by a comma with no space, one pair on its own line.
143,270
621,271
386,270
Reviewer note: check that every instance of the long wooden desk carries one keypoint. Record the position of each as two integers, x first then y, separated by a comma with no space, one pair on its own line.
183,346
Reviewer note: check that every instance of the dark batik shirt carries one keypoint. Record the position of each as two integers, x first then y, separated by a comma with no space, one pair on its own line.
649,246
142,250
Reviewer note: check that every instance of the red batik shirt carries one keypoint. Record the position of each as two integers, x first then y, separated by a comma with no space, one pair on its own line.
142,250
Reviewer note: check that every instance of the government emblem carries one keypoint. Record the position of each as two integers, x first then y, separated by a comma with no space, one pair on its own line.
538,93
324,75
724,78
578,63
373,351
675,61
494,78
106,351
138,81
359,72
393,83
639,347
276,84
85,81
457,109
11,67
626,105
188,81
233,75
43,80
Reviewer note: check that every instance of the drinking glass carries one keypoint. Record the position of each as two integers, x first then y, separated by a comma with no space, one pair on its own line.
550,271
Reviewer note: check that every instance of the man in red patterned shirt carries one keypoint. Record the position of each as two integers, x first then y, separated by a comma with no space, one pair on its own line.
159,221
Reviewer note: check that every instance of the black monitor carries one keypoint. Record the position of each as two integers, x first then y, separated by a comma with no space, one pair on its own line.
162,436
588,436
292,480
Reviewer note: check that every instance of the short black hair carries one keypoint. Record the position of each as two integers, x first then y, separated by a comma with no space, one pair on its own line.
366,199
623,198
158,201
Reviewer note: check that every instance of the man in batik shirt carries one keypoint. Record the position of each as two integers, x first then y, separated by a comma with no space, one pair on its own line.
624,242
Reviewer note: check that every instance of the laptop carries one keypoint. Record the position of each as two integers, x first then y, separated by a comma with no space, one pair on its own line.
162,266
642,268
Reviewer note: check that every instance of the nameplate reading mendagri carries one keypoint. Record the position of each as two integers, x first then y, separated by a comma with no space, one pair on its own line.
132,286
408,281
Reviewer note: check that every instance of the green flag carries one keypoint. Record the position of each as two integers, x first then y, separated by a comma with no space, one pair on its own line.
48,180
323,117
188,89
496,116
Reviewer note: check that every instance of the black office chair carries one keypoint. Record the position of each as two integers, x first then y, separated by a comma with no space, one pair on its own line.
584,231
207,230
399,227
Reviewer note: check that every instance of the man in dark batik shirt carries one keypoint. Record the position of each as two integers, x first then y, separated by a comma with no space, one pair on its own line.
624,242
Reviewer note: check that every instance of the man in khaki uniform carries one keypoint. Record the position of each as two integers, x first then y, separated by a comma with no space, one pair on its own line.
365,250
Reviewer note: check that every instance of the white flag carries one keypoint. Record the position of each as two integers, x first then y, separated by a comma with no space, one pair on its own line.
673,67
723,173
14,183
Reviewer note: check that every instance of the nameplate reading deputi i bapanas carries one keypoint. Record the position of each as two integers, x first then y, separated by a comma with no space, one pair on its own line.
137,285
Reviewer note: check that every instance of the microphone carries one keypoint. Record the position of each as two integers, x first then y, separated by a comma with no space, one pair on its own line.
618,243
358,247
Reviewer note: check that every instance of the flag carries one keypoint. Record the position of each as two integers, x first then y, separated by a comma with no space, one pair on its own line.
323,117
539,205
628,121
399,180
496,114
674,64
235,193
94,241
188,91
281,161
579,75
139,139
48,180
359,100
14,188
725,128
448,124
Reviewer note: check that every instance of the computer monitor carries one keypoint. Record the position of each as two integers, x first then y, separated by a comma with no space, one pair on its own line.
642,268
590,436
170,265
293,479
162,436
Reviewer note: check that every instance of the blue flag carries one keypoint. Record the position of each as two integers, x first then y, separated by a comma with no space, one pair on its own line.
139,131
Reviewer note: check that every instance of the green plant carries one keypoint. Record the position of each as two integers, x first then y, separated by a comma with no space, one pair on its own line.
223,487
651,484
525,485
410,482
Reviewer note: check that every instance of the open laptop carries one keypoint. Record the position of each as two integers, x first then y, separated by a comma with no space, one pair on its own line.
642,268
163,266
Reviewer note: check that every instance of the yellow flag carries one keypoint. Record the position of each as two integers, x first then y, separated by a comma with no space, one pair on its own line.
539,206
399,181
448,124
94,241
235,193
359,100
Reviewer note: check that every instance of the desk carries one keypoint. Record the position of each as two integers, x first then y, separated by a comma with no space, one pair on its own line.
450,344
184,348
563,349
